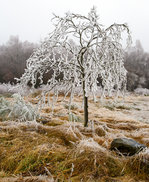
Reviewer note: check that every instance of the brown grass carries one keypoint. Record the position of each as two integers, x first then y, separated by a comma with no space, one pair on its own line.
55,148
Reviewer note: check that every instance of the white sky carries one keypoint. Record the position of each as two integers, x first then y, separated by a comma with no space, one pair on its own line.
30,19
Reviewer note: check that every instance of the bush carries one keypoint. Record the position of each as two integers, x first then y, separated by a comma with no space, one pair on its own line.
17,109
5,108
142,91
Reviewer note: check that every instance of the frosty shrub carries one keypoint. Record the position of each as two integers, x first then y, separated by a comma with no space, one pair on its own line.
142,91
78,52
18,109
8,88
5,88
5,108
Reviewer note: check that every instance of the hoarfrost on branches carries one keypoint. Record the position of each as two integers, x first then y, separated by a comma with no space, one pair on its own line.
81,50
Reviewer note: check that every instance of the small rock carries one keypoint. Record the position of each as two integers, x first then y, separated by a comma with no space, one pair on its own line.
126,146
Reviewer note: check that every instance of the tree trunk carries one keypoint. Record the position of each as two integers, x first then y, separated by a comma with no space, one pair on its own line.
85,99
85,111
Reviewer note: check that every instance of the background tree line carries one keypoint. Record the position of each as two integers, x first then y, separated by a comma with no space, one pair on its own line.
137,65
14,53
13,56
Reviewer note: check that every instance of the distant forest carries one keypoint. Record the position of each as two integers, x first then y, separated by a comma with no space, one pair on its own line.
14,53
13,56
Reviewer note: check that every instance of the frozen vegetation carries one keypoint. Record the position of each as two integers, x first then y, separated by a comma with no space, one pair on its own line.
58,147
80,50
62,131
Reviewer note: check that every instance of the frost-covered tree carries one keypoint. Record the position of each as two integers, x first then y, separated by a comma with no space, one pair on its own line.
81,50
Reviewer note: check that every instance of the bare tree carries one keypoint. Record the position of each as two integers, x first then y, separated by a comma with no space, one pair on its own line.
81,49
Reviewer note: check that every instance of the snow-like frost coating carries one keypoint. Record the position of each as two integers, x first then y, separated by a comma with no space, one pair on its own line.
89,144
80,50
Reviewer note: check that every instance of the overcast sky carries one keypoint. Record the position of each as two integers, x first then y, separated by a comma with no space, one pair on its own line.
30,19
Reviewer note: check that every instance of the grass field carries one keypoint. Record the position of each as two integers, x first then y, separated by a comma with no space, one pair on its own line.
58,148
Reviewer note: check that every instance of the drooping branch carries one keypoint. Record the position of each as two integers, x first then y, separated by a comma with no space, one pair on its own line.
82,50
